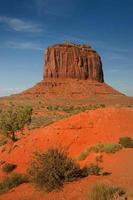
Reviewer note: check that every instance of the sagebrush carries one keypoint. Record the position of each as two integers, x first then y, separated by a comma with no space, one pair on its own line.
105,191
99,148
126,142
51,169
12,181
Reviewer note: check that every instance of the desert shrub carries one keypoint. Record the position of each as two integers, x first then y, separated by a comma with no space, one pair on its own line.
93,169
14,119
74,109
12,181
83,155
107,148
104,191
8,167
51,169
67,109
99,148
99,159
42,121
126,142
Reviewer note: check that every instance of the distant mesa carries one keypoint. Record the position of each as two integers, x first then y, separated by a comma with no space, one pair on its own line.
70,60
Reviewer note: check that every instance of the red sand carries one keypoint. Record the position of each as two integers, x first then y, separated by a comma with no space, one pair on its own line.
76,134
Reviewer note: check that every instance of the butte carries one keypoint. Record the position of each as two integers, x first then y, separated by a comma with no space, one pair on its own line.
74,73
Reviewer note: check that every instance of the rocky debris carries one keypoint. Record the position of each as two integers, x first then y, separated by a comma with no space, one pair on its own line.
69,60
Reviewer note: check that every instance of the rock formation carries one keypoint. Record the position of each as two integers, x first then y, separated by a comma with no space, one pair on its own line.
71,72
69,60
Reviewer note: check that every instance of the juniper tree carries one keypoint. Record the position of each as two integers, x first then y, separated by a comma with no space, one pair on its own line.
14,119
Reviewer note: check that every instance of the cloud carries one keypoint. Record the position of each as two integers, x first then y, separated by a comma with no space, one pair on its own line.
24,45
8,91
20,25
54,8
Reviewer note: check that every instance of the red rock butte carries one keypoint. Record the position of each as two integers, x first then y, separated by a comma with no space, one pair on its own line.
70,60
71,71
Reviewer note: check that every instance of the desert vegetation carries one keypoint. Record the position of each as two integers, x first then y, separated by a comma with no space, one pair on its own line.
74,109
8,167
99,148
105,191
42,121
14,119
38,121
93,169
51,169
126,142
107,148
12,181
50,172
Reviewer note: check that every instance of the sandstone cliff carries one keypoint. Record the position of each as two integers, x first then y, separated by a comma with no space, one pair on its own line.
68,60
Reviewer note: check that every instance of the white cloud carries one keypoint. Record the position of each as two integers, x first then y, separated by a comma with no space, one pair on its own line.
24,45
8,91
20,25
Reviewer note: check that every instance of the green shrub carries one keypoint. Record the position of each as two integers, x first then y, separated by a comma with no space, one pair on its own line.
104,191
99,148
83,155
99,159
42,121
67,109
107,148
50,170
14,119
93,169
74,109
126,142
12,181
8,167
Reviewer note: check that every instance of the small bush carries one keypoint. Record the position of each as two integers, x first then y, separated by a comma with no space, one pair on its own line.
102,191
126,142
93,169
14,119
83,155
67,109
107,148
12,181
8,167
99,159
99,148
50,170
42,121
74,109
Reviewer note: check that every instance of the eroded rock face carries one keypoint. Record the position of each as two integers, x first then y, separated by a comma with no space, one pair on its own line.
68,60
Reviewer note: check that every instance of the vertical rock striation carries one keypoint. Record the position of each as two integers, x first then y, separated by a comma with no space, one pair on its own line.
69,60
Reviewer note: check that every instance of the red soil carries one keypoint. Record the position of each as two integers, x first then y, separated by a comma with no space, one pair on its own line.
76,134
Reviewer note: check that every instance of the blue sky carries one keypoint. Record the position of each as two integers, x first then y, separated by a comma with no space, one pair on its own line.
27,27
